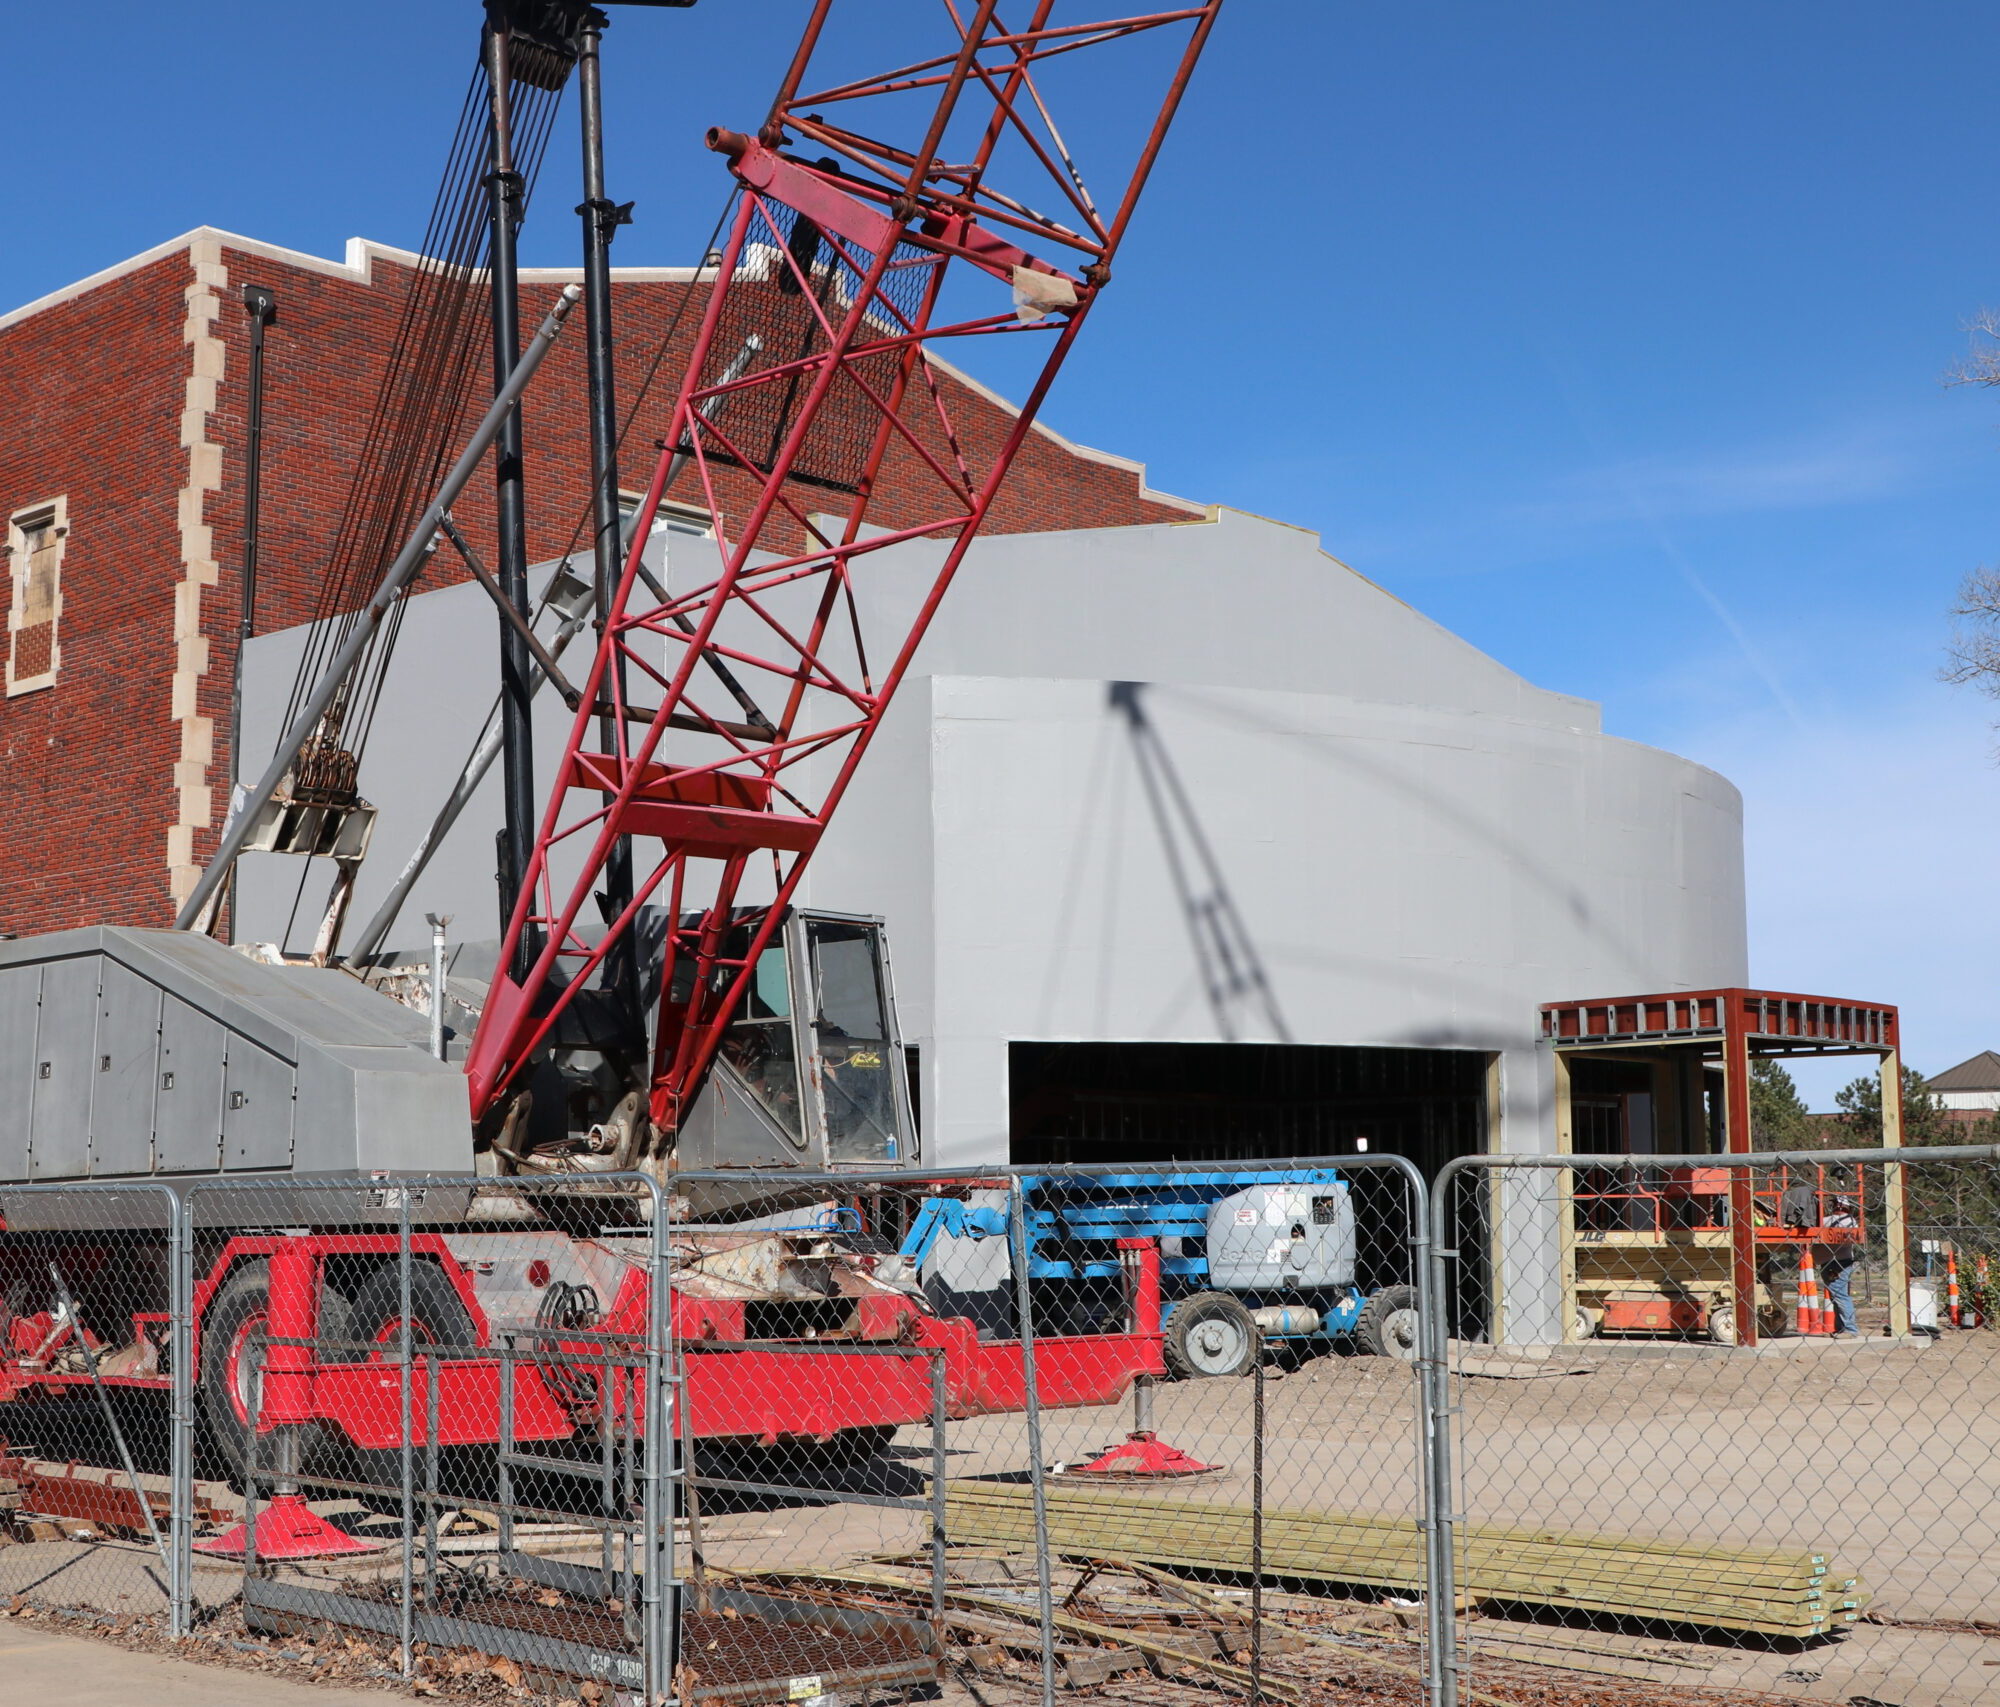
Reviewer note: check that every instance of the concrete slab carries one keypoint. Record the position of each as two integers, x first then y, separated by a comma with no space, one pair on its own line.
41,1665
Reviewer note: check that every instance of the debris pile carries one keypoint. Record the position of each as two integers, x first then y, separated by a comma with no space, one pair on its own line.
1155,1639
40,1501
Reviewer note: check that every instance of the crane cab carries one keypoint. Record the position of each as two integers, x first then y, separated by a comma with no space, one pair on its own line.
811,1071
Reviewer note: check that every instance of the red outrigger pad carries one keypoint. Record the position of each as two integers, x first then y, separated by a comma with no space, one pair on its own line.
288,1528
1142,1454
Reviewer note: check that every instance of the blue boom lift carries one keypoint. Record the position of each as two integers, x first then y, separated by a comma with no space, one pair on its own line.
1246,1256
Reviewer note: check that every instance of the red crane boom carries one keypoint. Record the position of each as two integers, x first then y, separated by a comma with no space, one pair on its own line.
743,700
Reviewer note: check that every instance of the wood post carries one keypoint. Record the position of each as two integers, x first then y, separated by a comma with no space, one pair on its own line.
1737,1141
1895,1223
1566,1197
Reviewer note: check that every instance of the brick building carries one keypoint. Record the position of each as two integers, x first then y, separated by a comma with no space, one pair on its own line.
121,484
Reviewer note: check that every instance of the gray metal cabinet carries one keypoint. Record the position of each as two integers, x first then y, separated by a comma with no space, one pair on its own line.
256,1107
129,1054
59,1114
125,1076
20,1004
188,1118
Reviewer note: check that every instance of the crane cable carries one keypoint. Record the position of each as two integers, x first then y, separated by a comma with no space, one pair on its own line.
426,393
379,929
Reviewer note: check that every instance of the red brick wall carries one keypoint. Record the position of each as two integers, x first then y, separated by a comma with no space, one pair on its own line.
93,390
95,387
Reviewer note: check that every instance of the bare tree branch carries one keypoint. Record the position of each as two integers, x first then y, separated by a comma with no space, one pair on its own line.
1973,652
1981,365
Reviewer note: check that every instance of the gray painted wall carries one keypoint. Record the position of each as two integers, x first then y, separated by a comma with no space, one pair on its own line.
1420,845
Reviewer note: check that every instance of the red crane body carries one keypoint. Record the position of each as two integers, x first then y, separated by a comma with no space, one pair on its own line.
743,701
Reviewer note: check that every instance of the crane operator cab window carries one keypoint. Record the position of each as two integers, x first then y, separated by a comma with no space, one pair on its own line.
814,1042
858,1059
760,1044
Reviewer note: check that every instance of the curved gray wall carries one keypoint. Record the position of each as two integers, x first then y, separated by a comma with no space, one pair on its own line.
1420,847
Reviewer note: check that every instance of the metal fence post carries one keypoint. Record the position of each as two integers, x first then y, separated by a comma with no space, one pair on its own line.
1434,1251
939,1467
406,1657
1257,1531
1017,1233
656,1506
180,1344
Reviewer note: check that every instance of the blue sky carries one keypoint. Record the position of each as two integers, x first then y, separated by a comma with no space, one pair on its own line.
1612,337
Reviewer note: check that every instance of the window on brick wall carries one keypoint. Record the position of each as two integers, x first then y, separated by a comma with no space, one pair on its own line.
689,521
35,538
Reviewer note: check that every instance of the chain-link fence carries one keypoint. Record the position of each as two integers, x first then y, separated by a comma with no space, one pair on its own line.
93,1473
1719,1424
430,1399
1570,1429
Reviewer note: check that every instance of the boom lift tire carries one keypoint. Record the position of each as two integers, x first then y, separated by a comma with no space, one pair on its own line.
232,1325
1212,1333
1388,1325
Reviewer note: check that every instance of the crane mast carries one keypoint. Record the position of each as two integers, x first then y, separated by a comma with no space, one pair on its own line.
729,705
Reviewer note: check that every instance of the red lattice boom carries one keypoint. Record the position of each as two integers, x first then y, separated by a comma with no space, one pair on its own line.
745,697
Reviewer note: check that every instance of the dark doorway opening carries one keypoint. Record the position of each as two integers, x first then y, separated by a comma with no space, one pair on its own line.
1148,1103
1141,1105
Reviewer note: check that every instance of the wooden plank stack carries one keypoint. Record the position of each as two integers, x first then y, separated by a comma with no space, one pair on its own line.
1762,1591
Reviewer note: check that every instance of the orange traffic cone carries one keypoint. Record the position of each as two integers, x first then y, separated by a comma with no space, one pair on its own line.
1951,1298
1828,1325
1808,1306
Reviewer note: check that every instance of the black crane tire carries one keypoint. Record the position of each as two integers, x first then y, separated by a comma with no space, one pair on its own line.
232,1326
438,1315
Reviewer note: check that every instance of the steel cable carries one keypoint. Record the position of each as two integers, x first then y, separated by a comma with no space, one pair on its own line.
420,407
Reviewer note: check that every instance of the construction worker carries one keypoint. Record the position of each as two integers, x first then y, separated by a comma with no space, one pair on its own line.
1835,1263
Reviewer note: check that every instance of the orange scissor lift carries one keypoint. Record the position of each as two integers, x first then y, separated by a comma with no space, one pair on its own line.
1686,1248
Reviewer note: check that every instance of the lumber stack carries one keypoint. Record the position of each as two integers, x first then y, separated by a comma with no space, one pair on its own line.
1761,1591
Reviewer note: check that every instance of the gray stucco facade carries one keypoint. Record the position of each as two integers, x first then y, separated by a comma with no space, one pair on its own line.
1112,732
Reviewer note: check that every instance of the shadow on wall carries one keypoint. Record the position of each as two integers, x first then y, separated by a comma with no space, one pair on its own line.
1233,978
1529,862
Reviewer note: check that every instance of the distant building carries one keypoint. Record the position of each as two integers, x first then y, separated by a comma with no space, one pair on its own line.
1970,1091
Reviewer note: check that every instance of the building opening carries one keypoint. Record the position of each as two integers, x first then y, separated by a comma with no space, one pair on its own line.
1145,1103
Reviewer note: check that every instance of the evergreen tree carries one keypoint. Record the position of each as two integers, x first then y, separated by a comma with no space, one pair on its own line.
1779,1119
1924,1118
1956,1201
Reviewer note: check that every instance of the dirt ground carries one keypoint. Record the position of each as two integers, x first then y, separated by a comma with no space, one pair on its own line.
1881,1455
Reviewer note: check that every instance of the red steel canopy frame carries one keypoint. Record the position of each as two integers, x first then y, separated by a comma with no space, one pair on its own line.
1737,1024
810,368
